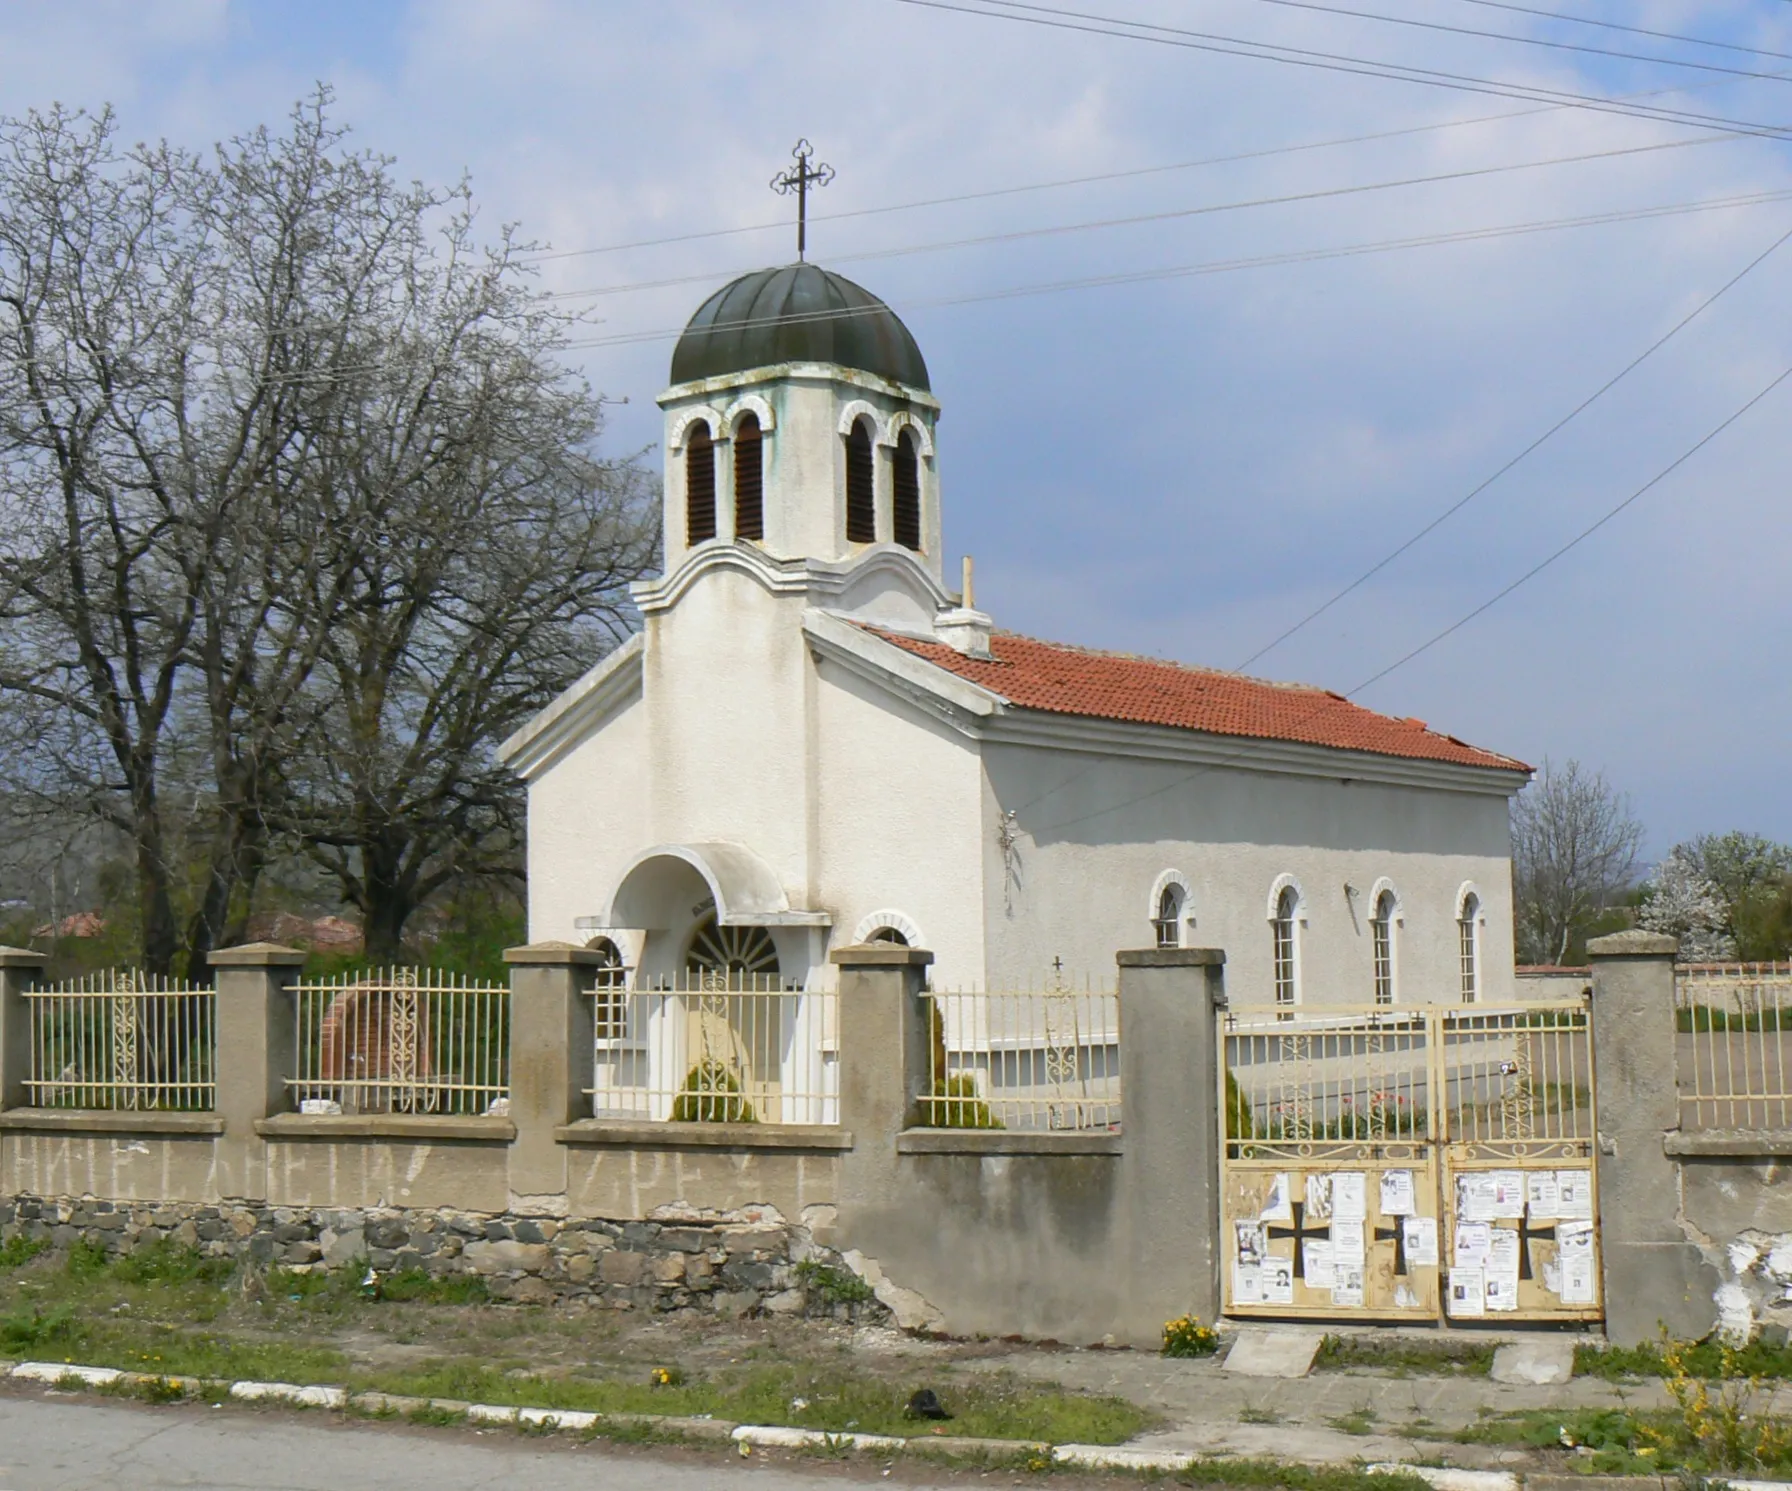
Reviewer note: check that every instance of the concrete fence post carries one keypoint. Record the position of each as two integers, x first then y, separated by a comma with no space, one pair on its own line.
1654,1275
883,1063
20,968
1169,1084
257,1051
551,1058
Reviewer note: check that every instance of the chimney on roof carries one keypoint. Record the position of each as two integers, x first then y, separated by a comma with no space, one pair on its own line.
963,627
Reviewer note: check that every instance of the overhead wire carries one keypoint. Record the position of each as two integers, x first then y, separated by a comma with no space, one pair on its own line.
1299,256
1093,24
1559,15
1133,220
1530,574
1562,423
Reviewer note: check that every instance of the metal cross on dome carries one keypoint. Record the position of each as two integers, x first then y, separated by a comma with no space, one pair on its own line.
799,178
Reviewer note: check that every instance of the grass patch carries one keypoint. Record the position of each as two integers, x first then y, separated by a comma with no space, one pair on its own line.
1282,1477
16,1252
1704,1360
834,1286
1250,1414
1616,1441
35,1328
1400,1355
1359,1421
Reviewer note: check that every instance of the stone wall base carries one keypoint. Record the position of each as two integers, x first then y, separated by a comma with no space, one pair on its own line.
733,1264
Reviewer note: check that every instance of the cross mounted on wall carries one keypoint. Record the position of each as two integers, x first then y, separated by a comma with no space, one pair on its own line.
799,178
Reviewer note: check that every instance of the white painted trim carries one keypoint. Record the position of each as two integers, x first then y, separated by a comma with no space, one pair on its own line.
854,410
1185,914
1463,892
821,579
904,419
1283,882
680,423
799,372
1375,893
944,694
755,404
894,920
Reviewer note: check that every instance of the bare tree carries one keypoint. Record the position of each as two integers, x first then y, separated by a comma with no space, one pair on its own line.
298,507
1574,853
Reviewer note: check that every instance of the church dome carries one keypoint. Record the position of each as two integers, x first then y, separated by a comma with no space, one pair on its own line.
799,313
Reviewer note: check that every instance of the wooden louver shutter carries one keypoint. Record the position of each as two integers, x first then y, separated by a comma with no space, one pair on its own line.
699,485
749,480
861,510
907,485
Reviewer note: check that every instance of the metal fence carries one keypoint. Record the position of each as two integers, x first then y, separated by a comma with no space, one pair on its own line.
402,1040
1730,1045
123,1040
715,1048
1040,1059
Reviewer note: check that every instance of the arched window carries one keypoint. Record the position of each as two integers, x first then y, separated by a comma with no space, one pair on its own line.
609,982
1381,937
861,506
889,934
1468,938
1168,920
907,490
699,485
749,479
1285,933
715,949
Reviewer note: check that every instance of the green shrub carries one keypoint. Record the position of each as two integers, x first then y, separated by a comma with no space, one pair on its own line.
711,1094
26,1330
1186,1336
15,1252
1239,1123
834,1286
954,1104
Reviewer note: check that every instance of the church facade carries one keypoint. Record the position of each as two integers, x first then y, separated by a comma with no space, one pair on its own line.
813,741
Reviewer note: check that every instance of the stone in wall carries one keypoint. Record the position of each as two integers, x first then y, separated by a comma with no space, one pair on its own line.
732,1264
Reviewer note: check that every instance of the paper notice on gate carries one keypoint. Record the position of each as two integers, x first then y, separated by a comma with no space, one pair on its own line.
1347,1285
1278,1281
1473,1243
1247,1284
1578,1281
1250,1241
1477,1195
1349,1196
1574,1191
1502,1291
1574,1239
1542,1195
1508,1193
1319,1196
1396,1193
1468,1292
1552,1275
1421,1241
1347,1245
1316,1258
1277,1206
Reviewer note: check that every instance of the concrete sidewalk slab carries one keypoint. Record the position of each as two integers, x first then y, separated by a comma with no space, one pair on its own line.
1263,1353
1537,1361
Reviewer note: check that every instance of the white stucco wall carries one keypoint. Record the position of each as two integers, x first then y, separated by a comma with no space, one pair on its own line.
1082,876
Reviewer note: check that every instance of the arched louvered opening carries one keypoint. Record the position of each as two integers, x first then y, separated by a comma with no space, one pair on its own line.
749,479
907,487
699,485
861,508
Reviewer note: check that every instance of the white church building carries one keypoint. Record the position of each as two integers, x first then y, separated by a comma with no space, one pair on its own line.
812,741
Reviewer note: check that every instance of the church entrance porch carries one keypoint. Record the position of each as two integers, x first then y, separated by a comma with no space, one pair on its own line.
1427,1163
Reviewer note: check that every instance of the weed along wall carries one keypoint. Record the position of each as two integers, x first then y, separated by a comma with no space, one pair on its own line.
301,1138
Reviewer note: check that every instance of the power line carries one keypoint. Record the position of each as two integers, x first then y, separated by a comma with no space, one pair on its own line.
1506,36
1560,424
1302,256
1454,627
1557,15
1201,41
1173,214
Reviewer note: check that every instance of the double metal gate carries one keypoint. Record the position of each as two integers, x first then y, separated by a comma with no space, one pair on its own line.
1420,1162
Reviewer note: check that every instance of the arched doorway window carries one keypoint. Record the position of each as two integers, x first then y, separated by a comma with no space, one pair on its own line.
714,948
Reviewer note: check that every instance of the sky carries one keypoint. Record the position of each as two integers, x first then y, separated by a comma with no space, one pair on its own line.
1180,464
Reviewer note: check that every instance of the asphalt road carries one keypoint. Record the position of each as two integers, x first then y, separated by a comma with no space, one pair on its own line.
72,1444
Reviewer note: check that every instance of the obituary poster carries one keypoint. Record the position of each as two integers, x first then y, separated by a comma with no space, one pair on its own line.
1574,1194
1421,1241
1468,1293
1278,1281
1350,1196
1397,1193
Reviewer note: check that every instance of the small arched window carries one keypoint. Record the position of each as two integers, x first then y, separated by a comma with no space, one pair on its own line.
699,485
1284,932
749,479
889,934
861,505
1468,938
1168,920
1381,937
906,488
609,983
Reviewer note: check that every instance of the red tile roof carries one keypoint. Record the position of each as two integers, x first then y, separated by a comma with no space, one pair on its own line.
1113,686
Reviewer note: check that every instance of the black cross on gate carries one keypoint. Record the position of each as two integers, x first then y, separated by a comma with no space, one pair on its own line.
799,178
1526,1232
1300,1232
1397,1236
